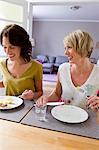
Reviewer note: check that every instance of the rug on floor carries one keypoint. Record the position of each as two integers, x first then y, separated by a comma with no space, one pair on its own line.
48,87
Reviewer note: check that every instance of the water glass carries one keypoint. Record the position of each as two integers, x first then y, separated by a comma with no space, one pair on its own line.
40,112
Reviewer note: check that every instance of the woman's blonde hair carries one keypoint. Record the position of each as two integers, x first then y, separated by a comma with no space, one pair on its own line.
80,41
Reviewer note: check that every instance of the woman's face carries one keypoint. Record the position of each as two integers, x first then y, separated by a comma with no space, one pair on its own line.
13,52
72,55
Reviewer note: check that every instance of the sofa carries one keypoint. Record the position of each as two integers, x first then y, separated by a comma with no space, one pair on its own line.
51,63
58,61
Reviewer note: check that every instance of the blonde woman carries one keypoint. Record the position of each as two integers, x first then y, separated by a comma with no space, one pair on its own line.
77,79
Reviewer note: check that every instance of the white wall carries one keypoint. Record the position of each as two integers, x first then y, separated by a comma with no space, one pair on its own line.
49,35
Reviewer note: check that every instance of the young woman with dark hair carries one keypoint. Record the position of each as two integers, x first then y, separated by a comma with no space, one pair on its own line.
21,74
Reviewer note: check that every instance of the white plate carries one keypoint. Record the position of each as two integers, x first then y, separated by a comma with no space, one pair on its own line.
55,103
11,101
69,114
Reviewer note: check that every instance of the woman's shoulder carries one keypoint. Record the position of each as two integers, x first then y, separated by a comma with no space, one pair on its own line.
3,60
35,63
64,66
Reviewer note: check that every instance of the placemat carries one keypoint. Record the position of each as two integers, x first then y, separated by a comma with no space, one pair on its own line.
16,114
88,128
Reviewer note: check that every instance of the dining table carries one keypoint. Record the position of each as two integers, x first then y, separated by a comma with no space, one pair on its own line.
22,133
15,136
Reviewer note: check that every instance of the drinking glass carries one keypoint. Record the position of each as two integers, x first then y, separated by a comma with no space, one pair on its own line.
40,112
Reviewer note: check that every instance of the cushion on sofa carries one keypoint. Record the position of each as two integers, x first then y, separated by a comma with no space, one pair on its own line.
47,65
42,58
51,59
61,59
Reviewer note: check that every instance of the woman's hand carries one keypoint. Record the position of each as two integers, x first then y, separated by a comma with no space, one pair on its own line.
27,95
93,103
42,101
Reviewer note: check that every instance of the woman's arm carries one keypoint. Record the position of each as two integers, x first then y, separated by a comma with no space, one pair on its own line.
29,94
56,93
39,90
54,96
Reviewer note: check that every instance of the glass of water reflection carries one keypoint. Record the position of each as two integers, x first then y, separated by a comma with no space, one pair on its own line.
40,112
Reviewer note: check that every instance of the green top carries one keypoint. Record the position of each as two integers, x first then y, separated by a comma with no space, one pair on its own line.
15,86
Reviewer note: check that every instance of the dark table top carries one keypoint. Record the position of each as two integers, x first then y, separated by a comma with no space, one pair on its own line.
17,114
89,128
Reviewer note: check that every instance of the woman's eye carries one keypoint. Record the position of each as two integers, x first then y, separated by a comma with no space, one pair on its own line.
4,47
69,47
12,47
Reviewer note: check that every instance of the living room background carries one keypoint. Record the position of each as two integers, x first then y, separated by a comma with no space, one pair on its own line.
49,36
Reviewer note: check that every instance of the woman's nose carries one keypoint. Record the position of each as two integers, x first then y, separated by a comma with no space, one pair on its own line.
66,52
7,50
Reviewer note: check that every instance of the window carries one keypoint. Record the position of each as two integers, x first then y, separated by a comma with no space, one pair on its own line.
10,13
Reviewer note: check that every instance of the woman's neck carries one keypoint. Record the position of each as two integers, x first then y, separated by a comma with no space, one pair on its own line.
82,66
17,62
80,72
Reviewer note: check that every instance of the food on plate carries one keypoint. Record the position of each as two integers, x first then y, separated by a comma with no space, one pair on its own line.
6,101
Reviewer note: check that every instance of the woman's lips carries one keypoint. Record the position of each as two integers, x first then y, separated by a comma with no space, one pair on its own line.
11,56
70,58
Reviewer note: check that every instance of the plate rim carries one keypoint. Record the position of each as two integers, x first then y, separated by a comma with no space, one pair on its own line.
14,106
72,122
60,103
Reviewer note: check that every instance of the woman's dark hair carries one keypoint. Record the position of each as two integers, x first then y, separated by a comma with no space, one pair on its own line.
18,37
